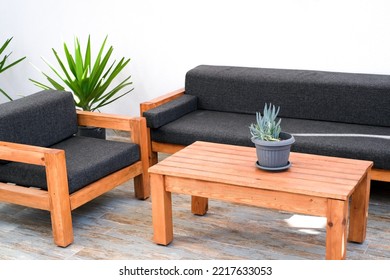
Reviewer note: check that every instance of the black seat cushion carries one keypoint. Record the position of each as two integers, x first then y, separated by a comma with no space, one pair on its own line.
87,160
352,141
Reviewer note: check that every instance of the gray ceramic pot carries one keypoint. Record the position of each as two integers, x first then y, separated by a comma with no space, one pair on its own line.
274,154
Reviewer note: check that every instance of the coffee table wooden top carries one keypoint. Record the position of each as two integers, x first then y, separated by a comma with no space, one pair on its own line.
314,175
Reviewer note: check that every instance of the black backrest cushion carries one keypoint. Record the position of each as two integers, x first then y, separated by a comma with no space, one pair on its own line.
304,94
170,111
41,119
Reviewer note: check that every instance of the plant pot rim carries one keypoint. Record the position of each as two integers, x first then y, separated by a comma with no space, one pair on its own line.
286,139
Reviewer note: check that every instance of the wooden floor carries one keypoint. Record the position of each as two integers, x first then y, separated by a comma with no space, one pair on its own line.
116,226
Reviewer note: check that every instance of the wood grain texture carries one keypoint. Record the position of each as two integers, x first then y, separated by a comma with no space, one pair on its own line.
30,197
336,229
162,211
57,188
226,172
380,175
359,211
321,176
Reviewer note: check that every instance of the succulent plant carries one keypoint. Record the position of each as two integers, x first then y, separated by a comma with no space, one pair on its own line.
267,127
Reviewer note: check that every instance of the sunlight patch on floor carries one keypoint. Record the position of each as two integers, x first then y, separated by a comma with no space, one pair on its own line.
306,224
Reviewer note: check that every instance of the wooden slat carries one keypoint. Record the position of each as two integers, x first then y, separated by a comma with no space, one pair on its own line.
214,152
103,185
380,175
30,197
251,170
24,153
263,198
118,122
316,165
232,149
244,163
319,189
166,148
310,174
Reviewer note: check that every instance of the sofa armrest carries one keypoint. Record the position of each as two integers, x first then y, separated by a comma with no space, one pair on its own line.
171,111
158,101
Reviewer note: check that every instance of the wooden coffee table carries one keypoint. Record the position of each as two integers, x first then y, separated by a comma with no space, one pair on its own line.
335,188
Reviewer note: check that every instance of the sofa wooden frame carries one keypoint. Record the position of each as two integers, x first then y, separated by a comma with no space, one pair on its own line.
57,199
157,147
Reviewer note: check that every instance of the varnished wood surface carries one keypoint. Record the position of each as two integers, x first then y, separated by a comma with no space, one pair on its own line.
116,226
313,175
227,172
158,147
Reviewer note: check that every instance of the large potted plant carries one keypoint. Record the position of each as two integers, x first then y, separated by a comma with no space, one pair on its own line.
272,145
89,83
3,63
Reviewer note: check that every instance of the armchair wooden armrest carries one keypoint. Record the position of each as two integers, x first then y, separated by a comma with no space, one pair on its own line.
55,199
138,134
135,125
24,153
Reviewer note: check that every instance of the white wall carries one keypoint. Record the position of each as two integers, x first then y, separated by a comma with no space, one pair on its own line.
166,38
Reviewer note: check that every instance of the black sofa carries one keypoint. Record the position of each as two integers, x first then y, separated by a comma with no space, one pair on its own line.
329,113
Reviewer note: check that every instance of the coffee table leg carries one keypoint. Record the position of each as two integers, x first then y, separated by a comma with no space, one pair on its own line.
336,229
161,210
199,205
359,211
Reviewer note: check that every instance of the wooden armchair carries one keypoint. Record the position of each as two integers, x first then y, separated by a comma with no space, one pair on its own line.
44,165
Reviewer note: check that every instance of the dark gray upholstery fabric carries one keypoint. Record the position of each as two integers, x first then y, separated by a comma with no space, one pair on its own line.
171,111
303,94
87,160
40,119
233,128
205,125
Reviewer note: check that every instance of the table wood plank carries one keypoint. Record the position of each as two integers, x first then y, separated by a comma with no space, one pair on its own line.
320,176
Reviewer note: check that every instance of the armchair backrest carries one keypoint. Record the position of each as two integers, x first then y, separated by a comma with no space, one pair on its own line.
41,119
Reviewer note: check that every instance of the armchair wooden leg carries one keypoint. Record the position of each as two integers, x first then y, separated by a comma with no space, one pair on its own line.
153,158
142,186
60,210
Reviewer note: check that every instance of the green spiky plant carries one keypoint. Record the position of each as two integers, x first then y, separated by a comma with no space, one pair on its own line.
3,61
89,83
267,127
